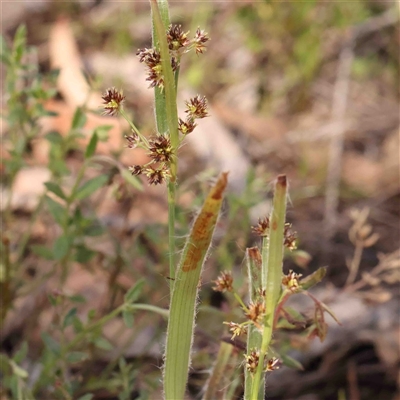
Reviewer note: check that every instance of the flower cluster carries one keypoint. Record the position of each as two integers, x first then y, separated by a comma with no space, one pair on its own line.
224,282
236,329
255,311
152,59
178,44
262,228
252,360
196,108
289,237
199,41
160,152
132,140
176,38
273,364
291,281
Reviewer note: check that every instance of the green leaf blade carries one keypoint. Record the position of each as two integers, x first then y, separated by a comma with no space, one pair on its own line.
57,211
61,247
51,343
184,294
79,119
56,189
91,147
90,187
134,292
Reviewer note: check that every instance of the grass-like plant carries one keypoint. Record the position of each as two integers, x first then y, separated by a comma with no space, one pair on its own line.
162,61
264,309
265,267
266,298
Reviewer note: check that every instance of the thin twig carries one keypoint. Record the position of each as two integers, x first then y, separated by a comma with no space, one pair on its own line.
339,107
355,263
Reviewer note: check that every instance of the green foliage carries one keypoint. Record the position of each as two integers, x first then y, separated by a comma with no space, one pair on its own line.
74,338
134,292
89,187
64,206
292,36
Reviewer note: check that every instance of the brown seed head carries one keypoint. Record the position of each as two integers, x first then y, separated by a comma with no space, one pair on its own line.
152,59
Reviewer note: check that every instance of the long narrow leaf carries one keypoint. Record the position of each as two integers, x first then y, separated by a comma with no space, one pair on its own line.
159,94
90,187
183,301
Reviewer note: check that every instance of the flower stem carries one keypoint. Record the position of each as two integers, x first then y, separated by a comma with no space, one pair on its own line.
167,116
272,274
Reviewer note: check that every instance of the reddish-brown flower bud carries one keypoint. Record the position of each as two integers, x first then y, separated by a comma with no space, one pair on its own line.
197,107
252,360
200,39
136,169
256,311
186,127
177,38
262,228
273,364
290,237
132,140
224,282
156,176
112,101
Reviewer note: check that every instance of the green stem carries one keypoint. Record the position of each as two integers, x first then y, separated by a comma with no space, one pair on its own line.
167,116
240,301
133,126
272,275
148,307
171,228
254,265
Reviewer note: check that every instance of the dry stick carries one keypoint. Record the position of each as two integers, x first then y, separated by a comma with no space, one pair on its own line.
339,106
352,381
355,263
382,266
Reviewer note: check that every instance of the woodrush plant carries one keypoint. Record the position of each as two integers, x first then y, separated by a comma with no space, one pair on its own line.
265,310
265,274
162,62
